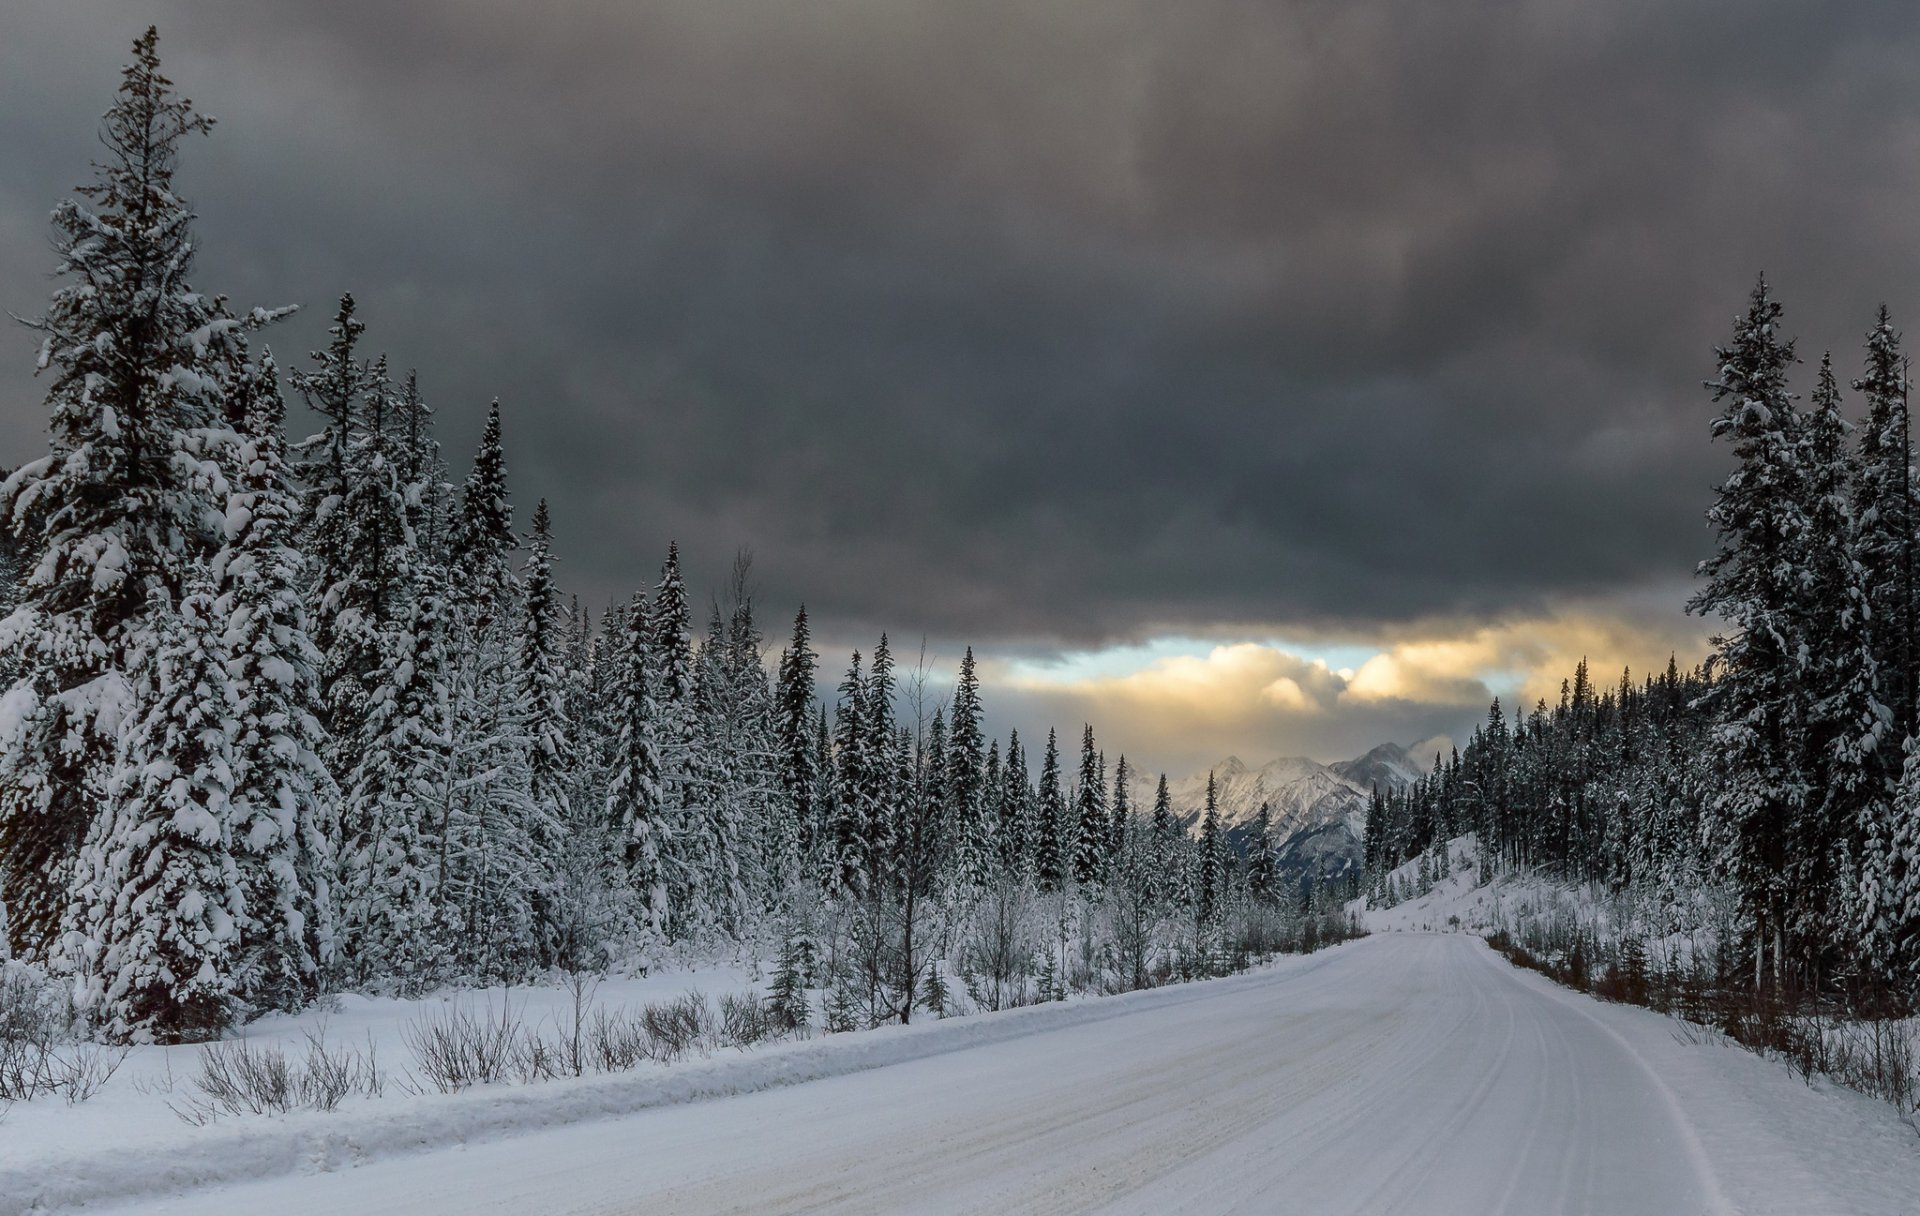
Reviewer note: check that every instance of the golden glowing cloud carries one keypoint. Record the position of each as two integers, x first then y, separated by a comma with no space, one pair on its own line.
1261,699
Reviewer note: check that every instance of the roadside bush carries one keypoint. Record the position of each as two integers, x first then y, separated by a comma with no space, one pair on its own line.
456,1047
616,1040
745,1020
675,1028
241,1078
40,1053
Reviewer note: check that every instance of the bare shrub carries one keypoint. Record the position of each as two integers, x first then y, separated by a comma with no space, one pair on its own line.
243,1079
330,1073
572,1046
456,1047
373,1082
616,1040
85,1068
677,1027
538,1060
39,1051
745,1020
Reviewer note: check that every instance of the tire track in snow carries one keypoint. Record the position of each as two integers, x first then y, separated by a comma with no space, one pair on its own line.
1717,1202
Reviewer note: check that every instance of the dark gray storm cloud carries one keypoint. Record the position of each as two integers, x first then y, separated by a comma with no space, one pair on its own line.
1040,323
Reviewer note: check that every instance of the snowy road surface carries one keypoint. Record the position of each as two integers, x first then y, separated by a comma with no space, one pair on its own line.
1404,1073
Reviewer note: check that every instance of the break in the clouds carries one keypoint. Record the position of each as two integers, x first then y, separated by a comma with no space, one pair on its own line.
1185,702
1051,327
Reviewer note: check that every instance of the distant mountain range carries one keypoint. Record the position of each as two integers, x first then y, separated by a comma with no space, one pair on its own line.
1319,810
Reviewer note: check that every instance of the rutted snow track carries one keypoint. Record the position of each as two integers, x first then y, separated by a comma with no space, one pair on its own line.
1415,1074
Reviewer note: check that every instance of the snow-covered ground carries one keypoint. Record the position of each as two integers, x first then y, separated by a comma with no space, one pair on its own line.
52,1153
1408,1072
1464,899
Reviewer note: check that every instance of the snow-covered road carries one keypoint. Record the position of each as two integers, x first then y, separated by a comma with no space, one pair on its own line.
1404,1073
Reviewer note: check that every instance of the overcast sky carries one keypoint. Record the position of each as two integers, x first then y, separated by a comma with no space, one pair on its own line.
1254,377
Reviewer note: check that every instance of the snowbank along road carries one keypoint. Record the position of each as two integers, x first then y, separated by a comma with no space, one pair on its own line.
1402,1074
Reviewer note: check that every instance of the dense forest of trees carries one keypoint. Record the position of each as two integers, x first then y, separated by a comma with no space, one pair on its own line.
1785,771
282,717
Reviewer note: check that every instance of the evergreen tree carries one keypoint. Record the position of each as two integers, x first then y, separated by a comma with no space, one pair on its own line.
111,520
1210,878
344,629
1090,830
164,898
1890,883
1017,813
1122,806
1760,696
1052,860
1263,875
671,682
967,790
1884,515
390,849
483,537
888,760
847,859
283,797
768,825
550,757
794,724
1848,719
711,822
636,798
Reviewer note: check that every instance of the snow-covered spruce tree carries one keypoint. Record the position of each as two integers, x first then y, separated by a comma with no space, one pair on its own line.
793,724
1134,904
1210,873
766,842
987,835
921,838
884,768
1122,805
1090,829
1017,812
1761,695
844,855
344,619
1886,898
676,735
589,881
636,806
483,537
1052,864
283,798
1848,720
1167,838
162,898
480,811
714,817
1263,875
108,523
825,851
550,756
392,621
1890,884
476,811
967,788
1884,516
430,498
391,834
